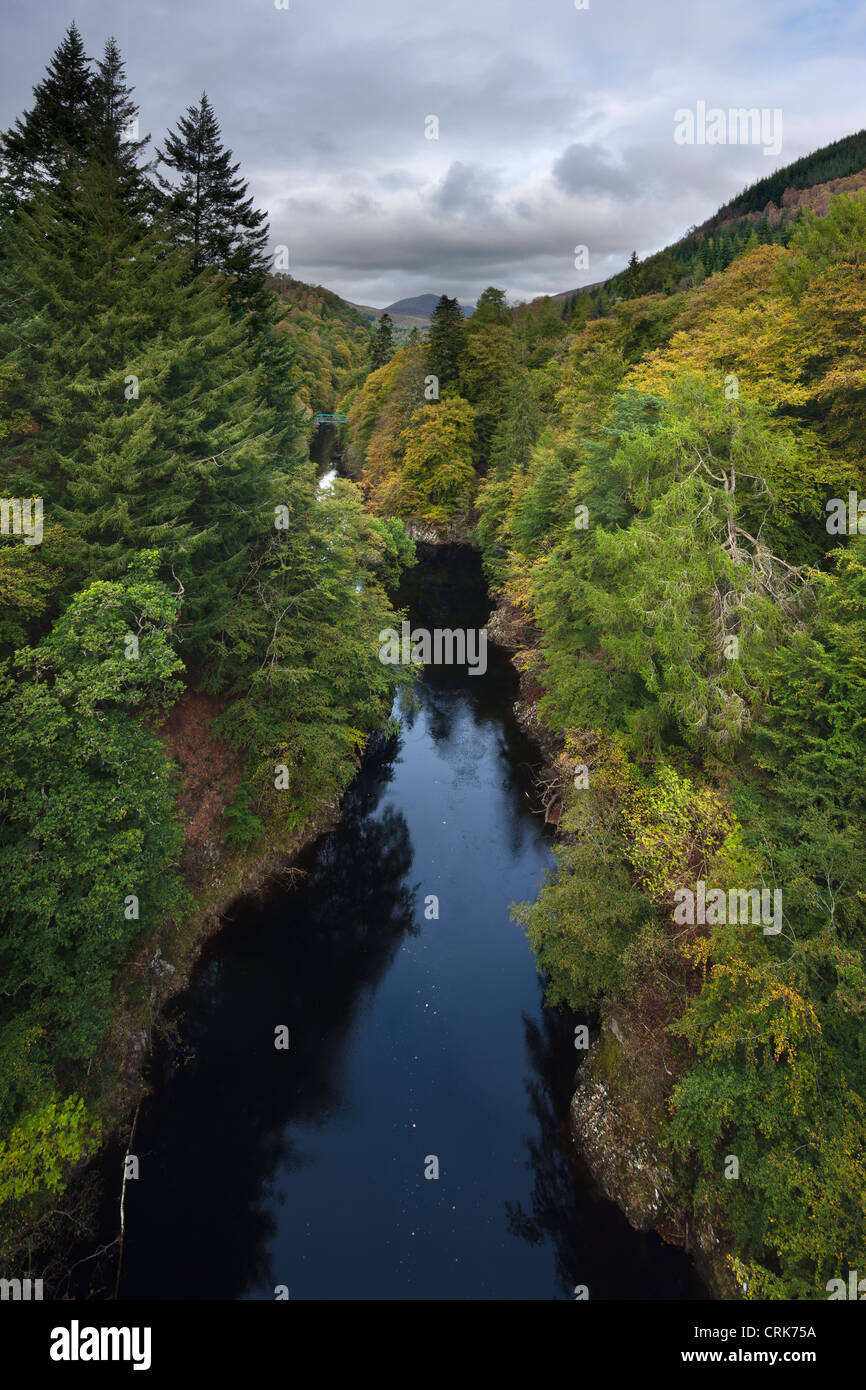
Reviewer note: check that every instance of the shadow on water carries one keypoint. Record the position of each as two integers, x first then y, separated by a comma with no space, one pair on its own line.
412,1036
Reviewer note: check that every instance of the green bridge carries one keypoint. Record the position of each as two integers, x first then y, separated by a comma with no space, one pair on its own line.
329,419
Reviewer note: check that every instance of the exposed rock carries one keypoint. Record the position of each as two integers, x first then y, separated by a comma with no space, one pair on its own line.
160,967
527,715
509,627
459,531
623,1164
617,1140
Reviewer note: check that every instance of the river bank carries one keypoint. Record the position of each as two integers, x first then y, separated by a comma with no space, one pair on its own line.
617,1114
417,1032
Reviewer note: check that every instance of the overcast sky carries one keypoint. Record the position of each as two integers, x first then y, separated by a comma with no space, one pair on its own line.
555,124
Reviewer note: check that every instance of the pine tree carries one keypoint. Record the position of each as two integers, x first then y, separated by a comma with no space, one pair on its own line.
383,342
445,340
42,142
210,206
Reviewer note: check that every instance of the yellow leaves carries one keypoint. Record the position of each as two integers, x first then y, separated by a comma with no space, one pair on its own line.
749,1007
699,953
733,864
785,347
358,741
742,327
43,1144
675,828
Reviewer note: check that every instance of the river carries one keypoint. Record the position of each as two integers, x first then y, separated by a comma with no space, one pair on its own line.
411,1037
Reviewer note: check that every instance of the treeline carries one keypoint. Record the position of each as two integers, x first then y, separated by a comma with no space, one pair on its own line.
162,529
683,265
735,229
836,161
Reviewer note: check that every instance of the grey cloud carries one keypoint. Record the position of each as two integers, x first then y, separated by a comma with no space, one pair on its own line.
395,180
583,169
466,190
555,125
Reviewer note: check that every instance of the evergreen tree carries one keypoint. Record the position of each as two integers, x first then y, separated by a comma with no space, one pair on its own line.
632,282
112,129
445,340
487,368
491,308
210,205
151,429
383,342
42,142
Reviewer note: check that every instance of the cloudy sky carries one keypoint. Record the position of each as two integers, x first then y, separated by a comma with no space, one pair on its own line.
555,125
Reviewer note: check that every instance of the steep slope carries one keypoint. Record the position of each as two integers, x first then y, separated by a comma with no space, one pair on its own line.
332,342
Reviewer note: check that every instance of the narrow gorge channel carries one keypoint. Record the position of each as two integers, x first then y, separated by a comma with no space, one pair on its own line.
409,1038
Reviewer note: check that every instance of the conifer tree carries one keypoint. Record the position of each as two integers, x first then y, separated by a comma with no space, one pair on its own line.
151,430
632,286
491,308
112,129
42,142
383,342
445,340
210,205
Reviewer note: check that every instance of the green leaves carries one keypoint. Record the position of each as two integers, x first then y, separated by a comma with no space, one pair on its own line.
86,814
437,470
698,623
42,1147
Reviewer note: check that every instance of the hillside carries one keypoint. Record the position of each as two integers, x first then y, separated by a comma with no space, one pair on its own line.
767,211
403,323
409,313
422,306
332,341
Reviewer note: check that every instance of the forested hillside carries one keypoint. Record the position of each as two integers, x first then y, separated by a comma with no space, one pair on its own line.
164,545
332,342
666,495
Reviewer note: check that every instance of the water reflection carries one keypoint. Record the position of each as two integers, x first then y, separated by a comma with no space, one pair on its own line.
594,1245
222,1125
414,1033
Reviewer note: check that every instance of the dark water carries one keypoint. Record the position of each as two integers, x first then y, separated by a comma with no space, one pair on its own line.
323,445
410,1038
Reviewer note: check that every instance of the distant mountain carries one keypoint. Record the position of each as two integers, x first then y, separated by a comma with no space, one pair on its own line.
422,306
401,321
